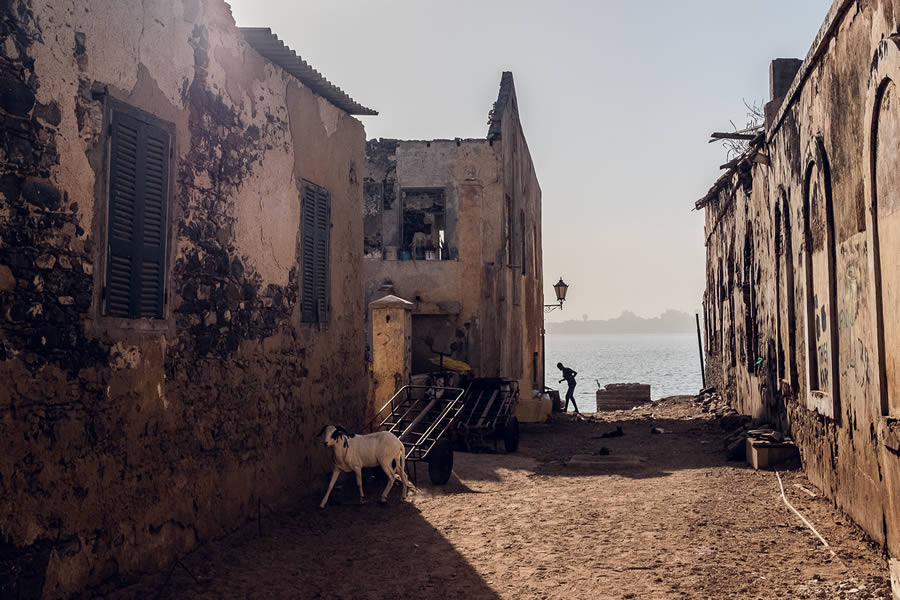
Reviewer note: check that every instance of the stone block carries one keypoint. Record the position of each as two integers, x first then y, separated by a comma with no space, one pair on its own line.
7,280
894,566
534,410
622,396
764,455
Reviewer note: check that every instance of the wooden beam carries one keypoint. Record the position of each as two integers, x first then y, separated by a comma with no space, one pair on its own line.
724,135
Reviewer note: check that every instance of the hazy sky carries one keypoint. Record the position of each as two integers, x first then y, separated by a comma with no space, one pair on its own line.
617,100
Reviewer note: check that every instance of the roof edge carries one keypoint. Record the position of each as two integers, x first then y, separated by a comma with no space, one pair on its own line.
817,49
264,41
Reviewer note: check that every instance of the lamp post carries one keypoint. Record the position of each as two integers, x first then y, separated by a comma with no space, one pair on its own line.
560,288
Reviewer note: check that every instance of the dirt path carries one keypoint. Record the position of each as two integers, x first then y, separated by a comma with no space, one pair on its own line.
666,518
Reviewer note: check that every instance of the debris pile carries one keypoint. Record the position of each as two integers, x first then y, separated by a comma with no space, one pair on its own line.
711,401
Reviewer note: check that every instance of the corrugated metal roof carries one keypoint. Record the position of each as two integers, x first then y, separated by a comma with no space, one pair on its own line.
267,43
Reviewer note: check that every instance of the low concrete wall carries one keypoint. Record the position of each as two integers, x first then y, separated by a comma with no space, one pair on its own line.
622,396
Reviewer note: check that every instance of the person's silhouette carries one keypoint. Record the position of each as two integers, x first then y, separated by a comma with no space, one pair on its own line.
569,377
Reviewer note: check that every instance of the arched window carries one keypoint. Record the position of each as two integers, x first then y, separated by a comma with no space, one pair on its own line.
784,299
821,303
886,240
748,287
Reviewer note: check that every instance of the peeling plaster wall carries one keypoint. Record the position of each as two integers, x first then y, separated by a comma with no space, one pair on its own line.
848,437
496,309
468,173
126,443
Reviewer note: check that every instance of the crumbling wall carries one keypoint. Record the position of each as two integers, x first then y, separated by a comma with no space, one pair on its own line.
467,173
126,443
381,216
525,320
815,265
490,287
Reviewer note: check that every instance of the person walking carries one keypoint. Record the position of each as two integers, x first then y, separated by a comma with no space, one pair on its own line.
569,377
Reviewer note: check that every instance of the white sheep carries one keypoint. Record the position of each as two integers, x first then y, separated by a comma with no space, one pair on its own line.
353,452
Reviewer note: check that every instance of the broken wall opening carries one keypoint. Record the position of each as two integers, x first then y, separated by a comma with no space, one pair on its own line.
432,337
424,224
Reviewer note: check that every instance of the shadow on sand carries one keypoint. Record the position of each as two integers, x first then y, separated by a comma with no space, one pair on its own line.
569,448
346,551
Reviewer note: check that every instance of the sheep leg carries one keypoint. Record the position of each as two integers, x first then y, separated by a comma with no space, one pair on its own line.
334,477
391,476
358,472
401,462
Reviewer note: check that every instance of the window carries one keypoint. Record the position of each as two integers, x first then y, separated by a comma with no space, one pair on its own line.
522,238
425,224
885,239
314,240
784,284
751,325
821,293
510,248
137,226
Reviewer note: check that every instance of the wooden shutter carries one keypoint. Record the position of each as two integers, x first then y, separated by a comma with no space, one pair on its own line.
323,233
138,194
315,258
308,250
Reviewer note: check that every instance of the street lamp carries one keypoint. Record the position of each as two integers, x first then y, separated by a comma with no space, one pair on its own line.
560,288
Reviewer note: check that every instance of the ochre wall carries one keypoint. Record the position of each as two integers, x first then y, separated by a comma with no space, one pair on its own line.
124,444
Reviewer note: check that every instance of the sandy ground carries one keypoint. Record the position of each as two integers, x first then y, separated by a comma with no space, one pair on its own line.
666,518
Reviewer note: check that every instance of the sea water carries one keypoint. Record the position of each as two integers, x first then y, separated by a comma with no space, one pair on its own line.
669,362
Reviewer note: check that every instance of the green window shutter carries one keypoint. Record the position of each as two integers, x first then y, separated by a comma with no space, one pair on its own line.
308,254
315,240
323,235
138,194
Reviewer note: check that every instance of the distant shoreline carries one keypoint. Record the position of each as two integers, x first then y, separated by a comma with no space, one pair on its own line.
671,321
684,332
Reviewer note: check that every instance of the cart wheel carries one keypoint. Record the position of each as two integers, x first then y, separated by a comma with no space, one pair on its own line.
440,462
511,435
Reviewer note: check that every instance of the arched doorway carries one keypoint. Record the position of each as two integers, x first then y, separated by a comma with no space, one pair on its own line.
823,391
784,282
886,239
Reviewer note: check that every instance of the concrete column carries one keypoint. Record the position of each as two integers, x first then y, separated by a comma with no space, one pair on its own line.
391,348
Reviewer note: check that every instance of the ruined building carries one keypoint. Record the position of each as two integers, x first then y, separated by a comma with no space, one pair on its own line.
803,264
454,227
180,306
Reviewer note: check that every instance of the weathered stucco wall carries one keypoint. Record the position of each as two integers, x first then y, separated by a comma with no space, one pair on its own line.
493,203
468,173
391,350
795,271
125,443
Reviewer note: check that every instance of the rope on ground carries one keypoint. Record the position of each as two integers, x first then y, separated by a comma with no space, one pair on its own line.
802,518
813,529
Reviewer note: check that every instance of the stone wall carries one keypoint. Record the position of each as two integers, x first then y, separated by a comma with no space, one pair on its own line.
125,443
801,261
622,396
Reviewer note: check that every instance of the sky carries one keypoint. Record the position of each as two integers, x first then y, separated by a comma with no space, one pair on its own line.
617,100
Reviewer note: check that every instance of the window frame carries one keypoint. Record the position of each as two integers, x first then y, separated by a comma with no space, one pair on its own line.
98,321
824,400
445,216
326,283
